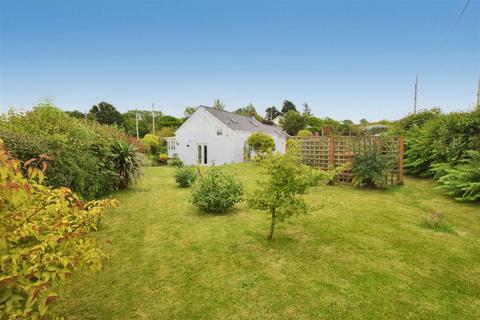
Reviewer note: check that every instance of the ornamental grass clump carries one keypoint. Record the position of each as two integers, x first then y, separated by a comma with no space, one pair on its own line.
216,192
436,220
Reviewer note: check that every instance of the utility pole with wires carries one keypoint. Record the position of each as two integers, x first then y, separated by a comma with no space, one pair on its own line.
136,122
415,96
153,117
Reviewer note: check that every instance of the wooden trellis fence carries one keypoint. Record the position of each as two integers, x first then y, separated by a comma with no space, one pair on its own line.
332,151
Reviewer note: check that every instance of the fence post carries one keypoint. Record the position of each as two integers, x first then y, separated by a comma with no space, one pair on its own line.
330,150
400,162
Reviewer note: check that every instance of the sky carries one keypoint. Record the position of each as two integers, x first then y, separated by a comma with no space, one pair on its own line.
346,59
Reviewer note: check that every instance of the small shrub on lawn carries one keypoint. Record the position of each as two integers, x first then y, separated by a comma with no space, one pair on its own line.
216,192
162,158
176,161
185,177
436,221
370,170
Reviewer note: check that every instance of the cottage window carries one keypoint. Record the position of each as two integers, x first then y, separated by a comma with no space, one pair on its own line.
219,131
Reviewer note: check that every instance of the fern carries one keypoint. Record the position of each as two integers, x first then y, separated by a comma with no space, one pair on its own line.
461,181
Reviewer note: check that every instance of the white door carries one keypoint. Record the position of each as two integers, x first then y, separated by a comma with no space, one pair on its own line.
202,154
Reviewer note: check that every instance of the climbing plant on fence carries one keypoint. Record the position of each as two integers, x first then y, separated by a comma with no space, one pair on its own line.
326,152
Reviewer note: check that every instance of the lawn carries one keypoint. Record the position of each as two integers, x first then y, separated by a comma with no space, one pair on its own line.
362,254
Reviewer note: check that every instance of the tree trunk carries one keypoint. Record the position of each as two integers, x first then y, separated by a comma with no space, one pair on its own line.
272,224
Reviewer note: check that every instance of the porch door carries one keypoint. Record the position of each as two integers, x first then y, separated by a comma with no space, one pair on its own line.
202,154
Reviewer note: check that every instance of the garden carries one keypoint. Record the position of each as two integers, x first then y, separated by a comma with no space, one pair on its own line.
95,224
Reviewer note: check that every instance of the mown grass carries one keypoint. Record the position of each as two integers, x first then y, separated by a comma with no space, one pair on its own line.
362,255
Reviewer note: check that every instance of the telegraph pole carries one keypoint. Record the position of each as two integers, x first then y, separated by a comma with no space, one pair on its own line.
136,122
415,97
153,117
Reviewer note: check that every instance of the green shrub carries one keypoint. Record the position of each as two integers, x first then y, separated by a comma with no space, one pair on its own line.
80,150
463,180
370,170
260,143
127,163
443,139
44,239
162,158
216,192
176,161
185,176
152,144
304,133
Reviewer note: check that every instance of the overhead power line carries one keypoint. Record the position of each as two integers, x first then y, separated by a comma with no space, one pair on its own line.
463,11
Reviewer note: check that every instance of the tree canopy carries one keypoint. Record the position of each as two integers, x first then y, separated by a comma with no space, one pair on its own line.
288,106
106,113
292,122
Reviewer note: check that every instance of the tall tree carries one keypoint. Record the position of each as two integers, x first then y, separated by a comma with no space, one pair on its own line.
218,104
105,113
249,110
288,106
75,114
189,111
292,122
271,113
307,111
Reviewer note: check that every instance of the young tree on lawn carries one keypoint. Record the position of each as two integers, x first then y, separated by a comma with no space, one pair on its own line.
218,104
281,193
292,122
105,113
271,113
288,106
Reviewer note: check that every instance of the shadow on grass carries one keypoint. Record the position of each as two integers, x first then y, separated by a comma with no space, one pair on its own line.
210,214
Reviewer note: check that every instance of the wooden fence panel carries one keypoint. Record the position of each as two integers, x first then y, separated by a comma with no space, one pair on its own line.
333,151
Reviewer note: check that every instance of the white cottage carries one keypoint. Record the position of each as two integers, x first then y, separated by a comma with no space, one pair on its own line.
211,136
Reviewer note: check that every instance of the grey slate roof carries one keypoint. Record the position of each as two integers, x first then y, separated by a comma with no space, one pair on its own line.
239,122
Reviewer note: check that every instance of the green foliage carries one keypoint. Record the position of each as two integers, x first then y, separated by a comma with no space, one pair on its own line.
105,113
260,143
271,113
281,193
162,158
189,111
436,221
43,238
370,170
164,133
288,106
81,150
216,192
185,176
443,139
127,163
218,104
415,121
304,133
292,122
463,180
176,161
75,114
152,143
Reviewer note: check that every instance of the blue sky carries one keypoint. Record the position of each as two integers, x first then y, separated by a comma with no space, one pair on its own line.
347,59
